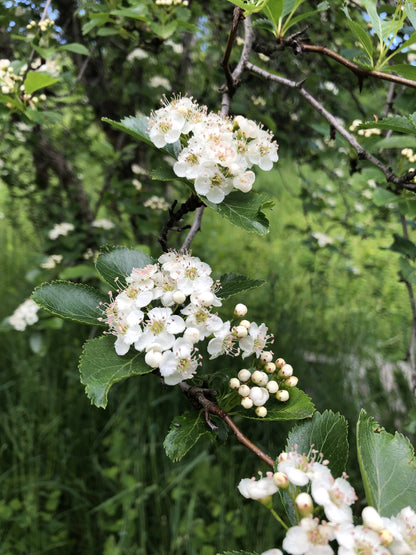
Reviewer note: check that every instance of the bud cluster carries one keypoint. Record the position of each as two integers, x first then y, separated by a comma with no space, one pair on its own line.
24,315
218,151
11,78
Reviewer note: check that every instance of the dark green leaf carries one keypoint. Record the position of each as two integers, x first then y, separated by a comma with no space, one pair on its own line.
71,300
381,197
328,433
403,246
116,264
184,433
396,141
407,271
137,12
298,406
76,48
164,174
362,36
402,124
101,367
232,284
96,21
388,467
36,80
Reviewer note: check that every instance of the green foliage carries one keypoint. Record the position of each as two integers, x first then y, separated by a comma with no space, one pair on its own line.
115,264
184,432
388,467
233,284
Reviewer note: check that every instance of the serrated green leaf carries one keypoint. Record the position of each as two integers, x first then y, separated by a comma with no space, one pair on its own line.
388,467
244,210
137,127
101,367
75,47
328,433
403,245
72,301
381,197
232,284
396,141
371,8
404,70
184,432
36,80
163,174
407,271
116,264
361,34
298,407
401,124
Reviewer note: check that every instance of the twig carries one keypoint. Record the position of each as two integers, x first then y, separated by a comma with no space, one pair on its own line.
190,205
198,395
400,183
195,227
237,17
411,352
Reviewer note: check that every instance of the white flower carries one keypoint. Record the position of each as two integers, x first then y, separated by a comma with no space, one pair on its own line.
259,396
103,224
24,315
255,342
273,551
403,529
222,342
160,329
250,488
335,496
201,318
356,540
178,365
60,229
309,537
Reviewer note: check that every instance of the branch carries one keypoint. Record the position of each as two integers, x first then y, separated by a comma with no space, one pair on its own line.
195,227
400,183
198,396
237,17
190,205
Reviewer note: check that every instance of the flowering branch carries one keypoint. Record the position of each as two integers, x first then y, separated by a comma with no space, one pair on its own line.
400,183
198,395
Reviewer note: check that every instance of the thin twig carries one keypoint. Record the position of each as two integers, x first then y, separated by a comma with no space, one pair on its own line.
198,396
403,182
190,205
237,17
195,227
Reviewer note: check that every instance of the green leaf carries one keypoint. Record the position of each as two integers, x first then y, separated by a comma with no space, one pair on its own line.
403,246
76,48
404,70
116,264
163,174
328,433
361,34
244,210
371,8
407,271
71,300
101,367
232,284
298,406
184,432
402,124
381,197
388,467
36,80
46,53
238,553
396,141
137,12
96,21
409,8
137,127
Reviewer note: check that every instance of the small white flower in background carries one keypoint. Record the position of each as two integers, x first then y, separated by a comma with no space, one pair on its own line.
322,239
103,224
60,229
156,203
250,488
137,54
310,538
158,81
24,315
52,261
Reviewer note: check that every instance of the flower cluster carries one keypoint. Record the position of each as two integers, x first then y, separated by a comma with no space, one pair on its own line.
52,261
103,223
364,132
409,154
9,80
333,497
167,308
43,25
218,151
60,229
24,315
156,203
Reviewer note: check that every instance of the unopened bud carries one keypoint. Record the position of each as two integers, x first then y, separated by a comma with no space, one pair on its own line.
247,403
386,537
261,412
244,375
259,377
245,323
280,362
234,383
153,358
240,331
178,297
272,386
240,310
372,519
192,335
292,381
259,395
282,395
244,390
286,371
270,367
266,356
304,504
281,480
206,299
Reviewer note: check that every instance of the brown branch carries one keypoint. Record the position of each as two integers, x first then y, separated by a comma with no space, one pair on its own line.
359,71
237,17
400,183
190,205
198,397
195,227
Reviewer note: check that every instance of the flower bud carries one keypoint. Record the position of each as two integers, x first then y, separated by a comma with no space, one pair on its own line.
178,297
244,375
246,402
259,378
292,381
372,519
270,367
192,335
259,395
386,537
240,310
285,371
304,504
240,331
266,356
261,412
244,390
234,383
281,480
153,358
282,395
245,323
272,386
280,362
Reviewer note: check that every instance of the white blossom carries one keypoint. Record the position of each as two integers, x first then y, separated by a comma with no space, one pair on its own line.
250,488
